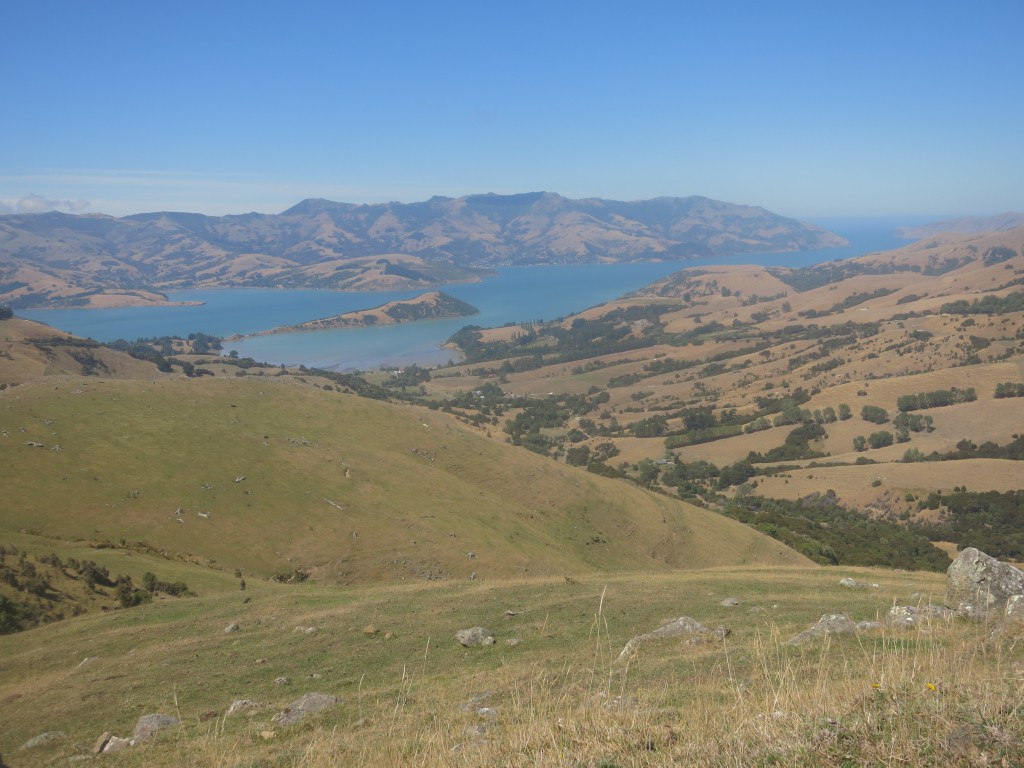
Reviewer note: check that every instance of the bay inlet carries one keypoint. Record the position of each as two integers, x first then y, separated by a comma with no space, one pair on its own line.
513,295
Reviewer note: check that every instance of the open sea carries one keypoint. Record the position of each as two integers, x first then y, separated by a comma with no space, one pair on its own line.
514,294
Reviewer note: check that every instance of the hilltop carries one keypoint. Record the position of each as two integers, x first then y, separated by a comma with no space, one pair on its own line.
57,259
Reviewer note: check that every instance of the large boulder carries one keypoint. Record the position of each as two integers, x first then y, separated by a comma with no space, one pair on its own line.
474,636
43,740
148,725
907,616
692,630
829,624
307,704
978,586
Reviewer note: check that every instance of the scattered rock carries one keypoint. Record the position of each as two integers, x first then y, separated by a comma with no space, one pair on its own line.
281,681
307,630
978,585
43,739
684,626
513,641
829,624
854,584
865,626
475,703
148,726
242,706
730,602
475,636
307,704
101,742
370,630
232,627
911,615
115,744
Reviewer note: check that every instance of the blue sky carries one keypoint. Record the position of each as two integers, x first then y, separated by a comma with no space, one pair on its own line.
810,109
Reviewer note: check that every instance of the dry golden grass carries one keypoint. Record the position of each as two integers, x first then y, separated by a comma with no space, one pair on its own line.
22,359
854,484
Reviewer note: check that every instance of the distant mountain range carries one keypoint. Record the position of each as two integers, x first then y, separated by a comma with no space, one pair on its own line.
56,259
966,225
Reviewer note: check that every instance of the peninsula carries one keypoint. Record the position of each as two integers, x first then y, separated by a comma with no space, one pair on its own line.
427,306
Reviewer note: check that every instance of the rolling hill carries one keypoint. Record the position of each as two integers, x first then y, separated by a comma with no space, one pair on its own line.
272,476
412,518
723,365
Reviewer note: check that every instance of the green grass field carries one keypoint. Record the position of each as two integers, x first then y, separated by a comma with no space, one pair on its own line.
272,476
558,696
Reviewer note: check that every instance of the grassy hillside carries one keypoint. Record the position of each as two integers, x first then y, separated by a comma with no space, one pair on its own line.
29,350
410,694
712,364
416,520
270,476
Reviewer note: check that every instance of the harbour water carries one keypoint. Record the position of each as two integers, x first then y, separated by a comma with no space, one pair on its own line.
514,294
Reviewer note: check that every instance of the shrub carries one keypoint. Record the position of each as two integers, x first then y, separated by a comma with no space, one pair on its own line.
880,439
874,414
1010,389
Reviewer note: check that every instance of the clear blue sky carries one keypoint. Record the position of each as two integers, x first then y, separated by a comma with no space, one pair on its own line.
806,108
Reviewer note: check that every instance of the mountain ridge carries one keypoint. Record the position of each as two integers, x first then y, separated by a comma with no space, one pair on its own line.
66,260
966,225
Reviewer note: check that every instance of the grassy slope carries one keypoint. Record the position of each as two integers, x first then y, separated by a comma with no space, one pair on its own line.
364,489
875,370
133,452
401,695
25,355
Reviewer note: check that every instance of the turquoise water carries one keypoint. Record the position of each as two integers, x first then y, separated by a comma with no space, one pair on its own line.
514,294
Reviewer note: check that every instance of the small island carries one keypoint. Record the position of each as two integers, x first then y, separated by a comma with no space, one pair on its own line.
428,306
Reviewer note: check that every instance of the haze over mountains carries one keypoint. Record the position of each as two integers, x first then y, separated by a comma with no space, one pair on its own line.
57,259
966,225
